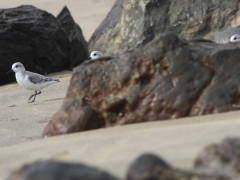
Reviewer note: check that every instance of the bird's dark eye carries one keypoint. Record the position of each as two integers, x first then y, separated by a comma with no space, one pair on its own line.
235,38
16,66
95,54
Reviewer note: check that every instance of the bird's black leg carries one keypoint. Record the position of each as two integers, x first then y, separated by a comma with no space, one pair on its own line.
34,95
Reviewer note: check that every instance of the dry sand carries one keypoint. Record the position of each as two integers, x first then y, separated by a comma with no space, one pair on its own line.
111,149
21,121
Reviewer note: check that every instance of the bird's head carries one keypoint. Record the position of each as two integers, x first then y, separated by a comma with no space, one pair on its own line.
18,67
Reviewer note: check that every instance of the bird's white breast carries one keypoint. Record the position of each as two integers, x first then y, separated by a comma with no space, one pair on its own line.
23,80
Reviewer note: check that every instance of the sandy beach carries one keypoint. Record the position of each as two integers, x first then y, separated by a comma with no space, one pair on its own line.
111,149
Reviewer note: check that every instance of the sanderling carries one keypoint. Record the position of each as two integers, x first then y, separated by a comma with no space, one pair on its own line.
31,81
94,55
235,38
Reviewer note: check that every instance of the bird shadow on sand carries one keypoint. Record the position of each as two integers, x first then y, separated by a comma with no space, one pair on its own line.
53,99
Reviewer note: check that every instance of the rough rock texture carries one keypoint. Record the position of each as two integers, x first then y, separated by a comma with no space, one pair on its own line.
132,23
33,37
78,47
224,36
51,170
167,79
220,159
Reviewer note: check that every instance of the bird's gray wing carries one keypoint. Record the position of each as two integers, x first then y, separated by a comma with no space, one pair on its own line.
38,78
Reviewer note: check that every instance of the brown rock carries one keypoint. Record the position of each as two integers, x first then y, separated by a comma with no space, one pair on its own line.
132,24
167,79
222,159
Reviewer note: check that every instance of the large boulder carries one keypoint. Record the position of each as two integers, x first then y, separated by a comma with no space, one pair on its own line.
132,23
33,37
78,46
53,170
169,78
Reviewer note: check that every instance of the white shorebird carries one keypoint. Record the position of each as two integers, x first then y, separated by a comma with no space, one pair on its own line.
95,55
235,38
31,81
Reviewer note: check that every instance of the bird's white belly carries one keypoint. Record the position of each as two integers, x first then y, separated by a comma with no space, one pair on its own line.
24,82
27,84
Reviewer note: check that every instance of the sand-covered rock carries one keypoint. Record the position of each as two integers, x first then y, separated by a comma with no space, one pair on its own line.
169,78
132,24
33,37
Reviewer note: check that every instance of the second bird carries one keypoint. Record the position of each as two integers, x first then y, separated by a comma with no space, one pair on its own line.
95,55
31,81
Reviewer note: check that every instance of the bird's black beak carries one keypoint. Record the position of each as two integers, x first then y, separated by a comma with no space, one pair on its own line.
9,71
87,59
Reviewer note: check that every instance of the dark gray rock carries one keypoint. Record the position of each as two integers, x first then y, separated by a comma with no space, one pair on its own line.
33,37
78,46
132,24
51,170
169,78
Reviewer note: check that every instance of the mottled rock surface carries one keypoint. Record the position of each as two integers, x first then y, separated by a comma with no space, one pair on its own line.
222,159
33,37
132,24
78,46
167,79
51,170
